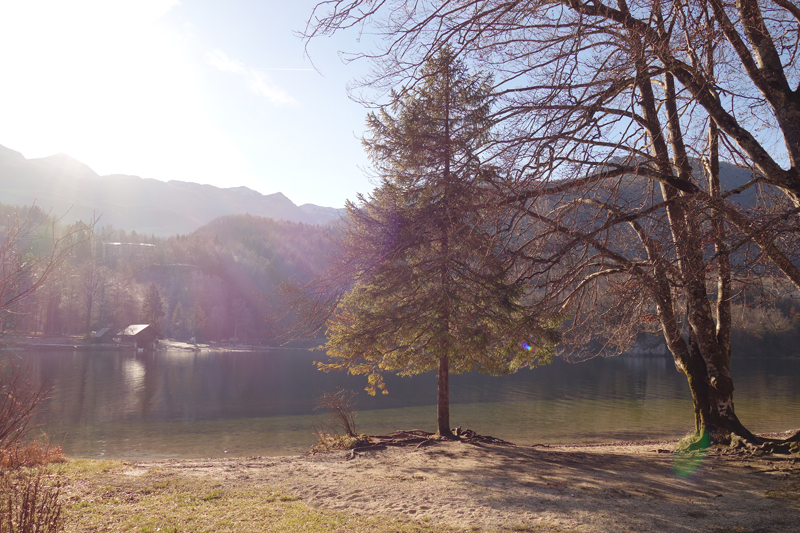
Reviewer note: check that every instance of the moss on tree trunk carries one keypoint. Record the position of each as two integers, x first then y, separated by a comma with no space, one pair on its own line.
711,386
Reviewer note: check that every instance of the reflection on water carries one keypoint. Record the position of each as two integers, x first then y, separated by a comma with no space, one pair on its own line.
182,404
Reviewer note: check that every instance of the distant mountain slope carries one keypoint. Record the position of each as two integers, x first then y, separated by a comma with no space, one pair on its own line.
323,215
71,189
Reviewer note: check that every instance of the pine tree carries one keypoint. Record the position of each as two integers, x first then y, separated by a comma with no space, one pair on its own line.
196,321
178,323
152,306
431,287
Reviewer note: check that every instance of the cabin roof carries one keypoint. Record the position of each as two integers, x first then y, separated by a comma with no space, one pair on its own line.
100,333
133,330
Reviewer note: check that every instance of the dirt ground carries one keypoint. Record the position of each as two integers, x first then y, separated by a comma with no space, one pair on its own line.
634,487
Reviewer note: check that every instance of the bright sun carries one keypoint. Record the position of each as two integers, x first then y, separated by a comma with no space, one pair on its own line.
106,82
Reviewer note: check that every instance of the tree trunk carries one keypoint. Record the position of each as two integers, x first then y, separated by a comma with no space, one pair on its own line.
704,359
712,396
711,386
443,400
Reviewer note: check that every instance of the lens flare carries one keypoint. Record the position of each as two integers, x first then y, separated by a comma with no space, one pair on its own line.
527,346
685,464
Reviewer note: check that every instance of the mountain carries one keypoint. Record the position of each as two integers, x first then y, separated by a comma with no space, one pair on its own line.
70,189
323,215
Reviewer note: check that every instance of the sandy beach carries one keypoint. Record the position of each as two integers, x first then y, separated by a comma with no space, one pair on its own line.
497,486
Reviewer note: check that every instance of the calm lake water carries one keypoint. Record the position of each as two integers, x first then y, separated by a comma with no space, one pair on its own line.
177,404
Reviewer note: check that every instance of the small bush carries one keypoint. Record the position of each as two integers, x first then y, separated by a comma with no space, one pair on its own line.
29,503
341,411
341,419
30,455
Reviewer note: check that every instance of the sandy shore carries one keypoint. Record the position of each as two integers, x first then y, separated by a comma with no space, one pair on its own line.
636,487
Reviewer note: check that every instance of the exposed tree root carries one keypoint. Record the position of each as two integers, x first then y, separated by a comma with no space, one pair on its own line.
471,437
420,439
764,446
728,444
793,438
731,443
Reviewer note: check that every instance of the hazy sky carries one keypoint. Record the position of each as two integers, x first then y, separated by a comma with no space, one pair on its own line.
209,91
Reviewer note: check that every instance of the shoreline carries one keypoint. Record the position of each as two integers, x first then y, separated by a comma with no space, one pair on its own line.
77,343
493,486
13,342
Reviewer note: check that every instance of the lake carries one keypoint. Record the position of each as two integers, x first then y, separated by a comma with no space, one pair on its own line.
184,404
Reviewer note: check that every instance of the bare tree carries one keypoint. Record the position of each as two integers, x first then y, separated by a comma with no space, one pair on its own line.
31,252
92,278
613,119
19,399
242,318
218,317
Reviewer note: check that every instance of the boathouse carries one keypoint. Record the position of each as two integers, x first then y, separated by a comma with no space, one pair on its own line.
143,336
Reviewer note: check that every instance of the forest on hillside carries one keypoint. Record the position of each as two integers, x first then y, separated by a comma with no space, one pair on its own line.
222,282
218,283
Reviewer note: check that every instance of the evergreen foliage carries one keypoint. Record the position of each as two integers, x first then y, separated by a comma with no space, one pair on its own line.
178,322
152,307
197,320
235,265
432,286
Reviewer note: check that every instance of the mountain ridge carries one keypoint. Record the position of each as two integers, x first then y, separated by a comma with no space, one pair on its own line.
71,189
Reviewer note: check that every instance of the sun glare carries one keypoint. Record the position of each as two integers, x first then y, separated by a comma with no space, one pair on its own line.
106,82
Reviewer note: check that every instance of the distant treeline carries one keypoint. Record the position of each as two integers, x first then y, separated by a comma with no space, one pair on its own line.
217,283
222,282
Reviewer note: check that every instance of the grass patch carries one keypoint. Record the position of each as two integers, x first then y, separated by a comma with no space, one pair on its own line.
785,494
787,490
215,494
280,497
121,497
107,496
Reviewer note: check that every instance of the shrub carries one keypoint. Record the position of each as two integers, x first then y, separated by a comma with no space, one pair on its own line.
338,431
341,412
30,455
29,502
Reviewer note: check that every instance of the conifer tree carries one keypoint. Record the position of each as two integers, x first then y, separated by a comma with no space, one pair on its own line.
178,325
152,307
431,288
196,321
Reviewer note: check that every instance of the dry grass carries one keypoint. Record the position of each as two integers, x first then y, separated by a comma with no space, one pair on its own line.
29,494
113,496
327,442
29,502
787,490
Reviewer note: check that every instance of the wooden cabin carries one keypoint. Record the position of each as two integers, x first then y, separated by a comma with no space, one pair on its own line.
143,336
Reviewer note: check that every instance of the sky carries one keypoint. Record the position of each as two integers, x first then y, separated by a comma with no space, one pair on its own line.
205,91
